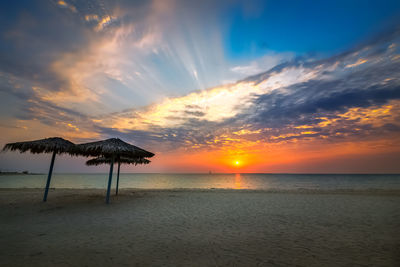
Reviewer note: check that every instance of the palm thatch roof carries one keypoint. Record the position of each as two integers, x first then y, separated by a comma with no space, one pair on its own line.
47,145
112,146
103,160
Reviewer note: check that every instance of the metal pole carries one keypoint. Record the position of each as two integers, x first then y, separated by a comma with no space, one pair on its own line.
109,180
116,189
46,191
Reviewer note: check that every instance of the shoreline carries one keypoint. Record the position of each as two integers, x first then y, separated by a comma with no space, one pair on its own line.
393,192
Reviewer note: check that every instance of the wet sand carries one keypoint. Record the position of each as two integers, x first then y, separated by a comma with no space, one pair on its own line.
199,228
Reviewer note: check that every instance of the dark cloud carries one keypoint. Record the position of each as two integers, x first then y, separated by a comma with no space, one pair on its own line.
319,98
194,113
33,34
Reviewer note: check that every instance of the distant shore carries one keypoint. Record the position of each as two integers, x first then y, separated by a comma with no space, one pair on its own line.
198,228
20,173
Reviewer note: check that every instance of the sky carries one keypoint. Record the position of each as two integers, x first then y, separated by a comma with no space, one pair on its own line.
221,86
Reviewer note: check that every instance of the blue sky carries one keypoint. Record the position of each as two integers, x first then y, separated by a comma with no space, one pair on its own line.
216,81
321,27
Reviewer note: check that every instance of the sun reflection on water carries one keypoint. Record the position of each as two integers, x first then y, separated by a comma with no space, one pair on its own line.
238,181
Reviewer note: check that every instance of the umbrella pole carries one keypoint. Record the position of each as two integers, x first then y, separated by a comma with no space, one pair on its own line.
46,191
116,189
109,180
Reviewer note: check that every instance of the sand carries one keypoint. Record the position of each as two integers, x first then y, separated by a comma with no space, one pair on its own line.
199,228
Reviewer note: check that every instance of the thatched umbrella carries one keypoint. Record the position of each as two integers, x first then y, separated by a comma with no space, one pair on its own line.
111,148
126,160
55,145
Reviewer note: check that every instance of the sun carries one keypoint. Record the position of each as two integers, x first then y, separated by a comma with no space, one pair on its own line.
237,162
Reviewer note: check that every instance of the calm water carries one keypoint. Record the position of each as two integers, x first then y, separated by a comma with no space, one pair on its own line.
207,181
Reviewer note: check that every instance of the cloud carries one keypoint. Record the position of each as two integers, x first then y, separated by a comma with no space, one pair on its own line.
122,55
302,99
64,4
359,62
262,64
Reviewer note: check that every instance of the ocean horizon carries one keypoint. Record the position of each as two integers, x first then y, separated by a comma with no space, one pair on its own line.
252,181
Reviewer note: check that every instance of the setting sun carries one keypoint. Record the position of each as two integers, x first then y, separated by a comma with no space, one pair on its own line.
237,162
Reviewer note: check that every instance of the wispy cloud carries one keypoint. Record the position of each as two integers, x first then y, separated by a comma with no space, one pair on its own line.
262,64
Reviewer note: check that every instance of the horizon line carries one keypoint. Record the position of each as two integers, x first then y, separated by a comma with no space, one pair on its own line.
280,173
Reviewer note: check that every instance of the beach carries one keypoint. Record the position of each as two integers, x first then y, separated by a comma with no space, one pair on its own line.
199,227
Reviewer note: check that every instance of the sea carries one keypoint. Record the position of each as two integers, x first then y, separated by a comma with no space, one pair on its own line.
239,181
